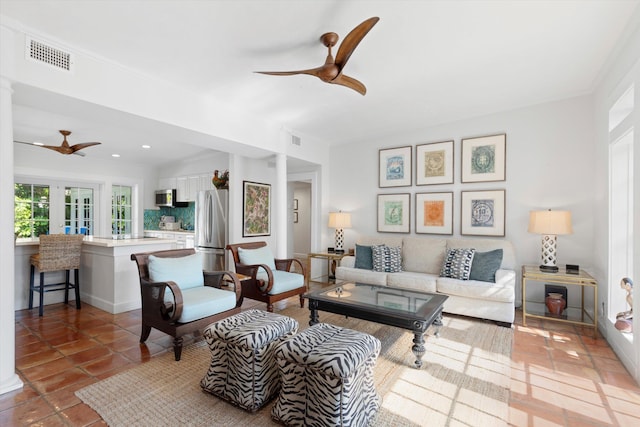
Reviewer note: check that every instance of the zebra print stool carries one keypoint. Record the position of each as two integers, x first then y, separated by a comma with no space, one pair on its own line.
327,378
243,368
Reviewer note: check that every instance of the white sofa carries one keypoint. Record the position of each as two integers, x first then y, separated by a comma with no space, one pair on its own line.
422,259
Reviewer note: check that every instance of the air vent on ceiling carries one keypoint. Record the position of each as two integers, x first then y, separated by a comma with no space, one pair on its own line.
295,140
45,53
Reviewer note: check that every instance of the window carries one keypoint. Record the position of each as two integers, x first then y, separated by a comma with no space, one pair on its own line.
31,210
78,210
121,209
621,135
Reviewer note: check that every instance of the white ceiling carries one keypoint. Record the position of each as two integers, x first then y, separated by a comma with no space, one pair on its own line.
424,63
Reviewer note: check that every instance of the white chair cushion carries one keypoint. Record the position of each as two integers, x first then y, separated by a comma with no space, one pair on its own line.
185,271
261,255
284,281
204,301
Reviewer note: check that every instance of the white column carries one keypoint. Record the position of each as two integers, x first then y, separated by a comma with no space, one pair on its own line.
279,206
9,380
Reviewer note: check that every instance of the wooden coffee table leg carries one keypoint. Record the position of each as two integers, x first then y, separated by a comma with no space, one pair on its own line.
418,347
438,324
313,312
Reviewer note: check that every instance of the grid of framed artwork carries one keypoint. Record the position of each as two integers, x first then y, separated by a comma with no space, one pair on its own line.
482,212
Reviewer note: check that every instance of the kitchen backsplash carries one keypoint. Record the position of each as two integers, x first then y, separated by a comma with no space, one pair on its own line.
187,215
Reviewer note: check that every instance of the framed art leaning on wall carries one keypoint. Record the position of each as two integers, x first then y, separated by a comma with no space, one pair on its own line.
394,167
393,213
484,158
434,213
482,213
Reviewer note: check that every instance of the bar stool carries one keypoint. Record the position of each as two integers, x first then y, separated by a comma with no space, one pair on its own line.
57,252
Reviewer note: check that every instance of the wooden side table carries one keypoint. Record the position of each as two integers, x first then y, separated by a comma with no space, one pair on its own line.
577,316
332,260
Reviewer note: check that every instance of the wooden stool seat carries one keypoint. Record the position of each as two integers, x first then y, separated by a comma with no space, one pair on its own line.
58,252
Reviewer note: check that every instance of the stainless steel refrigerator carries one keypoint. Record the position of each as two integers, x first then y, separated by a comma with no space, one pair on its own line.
211,230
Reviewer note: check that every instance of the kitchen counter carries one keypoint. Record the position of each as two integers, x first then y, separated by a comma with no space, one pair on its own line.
108,278
170,231
107,242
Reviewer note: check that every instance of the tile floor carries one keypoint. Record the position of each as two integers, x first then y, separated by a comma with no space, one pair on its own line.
561,375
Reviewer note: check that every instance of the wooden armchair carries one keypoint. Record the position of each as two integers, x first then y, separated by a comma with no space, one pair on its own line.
178,298
270,280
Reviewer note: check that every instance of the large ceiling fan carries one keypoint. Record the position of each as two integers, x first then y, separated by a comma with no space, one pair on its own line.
331,71
65,148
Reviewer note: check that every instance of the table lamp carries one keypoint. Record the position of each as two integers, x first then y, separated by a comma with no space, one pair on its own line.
339,221
550,224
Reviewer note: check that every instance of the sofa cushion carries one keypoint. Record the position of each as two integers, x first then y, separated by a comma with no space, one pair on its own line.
474,289
364,257
485,265
421,282
457,263
387,259
423,255
185,271
359,275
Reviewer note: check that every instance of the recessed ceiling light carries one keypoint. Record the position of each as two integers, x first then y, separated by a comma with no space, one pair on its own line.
146,146
38,143
115,155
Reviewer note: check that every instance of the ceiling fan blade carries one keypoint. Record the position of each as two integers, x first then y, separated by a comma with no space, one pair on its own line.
312,72
77,147
352,40
350,82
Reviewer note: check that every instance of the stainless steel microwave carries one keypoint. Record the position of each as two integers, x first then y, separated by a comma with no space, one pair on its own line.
167,198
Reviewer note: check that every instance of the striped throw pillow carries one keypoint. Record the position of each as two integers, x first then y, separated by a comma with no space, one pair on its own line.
386,259
457,264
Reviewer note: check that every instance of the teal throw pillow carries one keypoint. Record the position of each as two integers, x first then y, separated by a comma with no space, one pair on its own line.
185,271
485,265
364,257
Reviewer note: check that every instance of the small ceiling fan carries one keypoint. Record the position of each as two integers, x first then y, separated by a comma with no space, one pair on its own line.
64,148
331,71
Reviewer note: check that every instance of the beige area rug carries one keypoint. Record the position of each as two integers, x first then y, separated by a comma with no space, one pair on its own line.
463,382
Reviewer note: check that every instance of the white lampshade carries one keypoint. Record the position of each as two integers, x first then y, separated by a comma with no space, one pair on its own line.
339,220
550,222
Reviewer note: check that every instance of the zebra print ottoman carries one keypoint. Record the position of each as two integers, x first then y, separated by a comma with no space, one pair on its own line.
327,378
243,368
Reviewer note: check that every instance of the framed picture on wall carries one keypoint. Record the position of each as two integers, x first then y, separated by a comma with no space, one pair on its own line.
395,167
434,163
484,158
482,213
393,213
434,213
256,209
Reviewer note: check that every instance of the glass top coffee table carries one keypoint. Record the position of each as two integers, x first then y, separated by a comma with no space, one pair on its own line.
402,308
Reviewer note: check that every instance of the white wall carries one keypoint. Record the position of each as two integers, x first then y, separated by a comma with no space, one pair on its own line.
550,161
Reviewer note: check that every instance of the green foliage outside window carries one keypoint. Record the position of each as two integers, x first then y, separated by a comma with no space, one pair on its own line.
31,210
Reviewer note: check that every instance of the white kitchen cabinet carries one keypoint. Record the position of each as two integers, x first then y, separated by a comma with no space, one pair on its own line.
193,182
205,182
189,241
167,183
182,187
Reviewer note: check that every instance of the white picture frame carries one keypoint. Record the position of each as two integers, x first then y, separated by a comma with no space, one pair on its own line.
482,213
434,213
394,213
434,163
484,158
394,165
